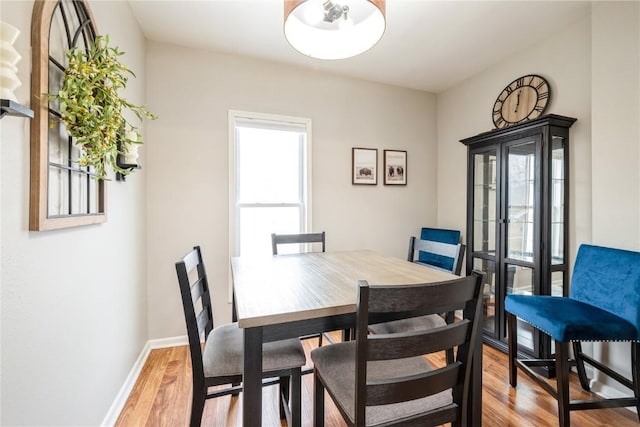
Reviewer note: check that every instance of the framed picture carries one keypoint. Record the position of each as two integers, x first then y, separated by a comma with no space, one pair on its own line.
364,166
395,167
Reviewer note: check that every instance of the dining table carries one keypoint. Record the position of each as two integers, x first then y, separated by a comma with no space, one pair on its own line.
287,296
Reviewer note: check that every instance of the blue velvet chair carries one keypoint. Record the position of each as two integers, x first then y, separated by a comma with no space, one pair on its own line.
603,305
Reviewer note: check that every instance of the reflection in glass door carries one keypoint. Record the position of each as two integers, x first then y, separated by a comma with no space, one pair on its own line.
484,225
521,251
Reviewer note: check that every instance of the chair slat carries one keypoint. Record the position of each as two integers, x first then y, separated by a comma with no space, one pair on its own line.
203,320
197,290
401,389
438,248
419,297
410,344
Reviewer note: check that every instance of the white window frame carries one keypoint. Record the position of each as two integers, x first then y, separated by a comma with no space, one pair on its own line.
236,116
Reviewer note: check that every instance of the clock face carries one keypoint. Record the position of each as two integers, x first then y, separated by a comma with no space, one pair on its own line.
523,99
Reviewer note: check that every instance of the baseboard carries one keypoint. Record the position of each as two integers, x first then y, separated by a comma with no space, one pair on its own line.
608,392
121,398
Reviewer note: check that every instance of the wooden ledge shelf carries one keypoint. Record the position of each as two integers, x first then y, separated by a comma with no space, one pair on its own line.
12,108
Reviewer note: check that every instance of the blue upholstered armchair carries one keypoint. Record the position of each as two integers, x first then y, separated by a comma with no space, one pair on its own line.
603,305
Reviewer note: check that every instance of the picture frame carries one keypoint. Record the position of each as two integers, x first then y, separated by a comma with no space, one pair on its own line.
364,166
395,167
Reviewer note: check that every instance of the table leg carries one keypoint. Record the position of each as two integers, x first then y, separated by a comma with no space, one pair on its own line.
252,380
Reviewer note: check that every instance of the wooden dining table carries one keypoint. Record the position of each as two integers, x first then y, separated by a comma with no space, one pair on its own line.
288,296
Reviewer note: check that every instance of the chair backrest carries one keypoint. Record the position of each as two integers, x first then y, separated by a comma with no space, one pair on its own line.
375,302
282,239
196,301
608,278
445,256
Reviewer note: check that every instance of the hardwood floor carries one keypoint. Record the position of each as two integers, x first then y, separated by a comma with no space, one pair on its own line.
162,397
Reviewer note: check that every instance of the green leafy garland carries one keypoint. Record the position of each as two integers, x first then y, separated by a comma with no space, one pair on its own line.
92,109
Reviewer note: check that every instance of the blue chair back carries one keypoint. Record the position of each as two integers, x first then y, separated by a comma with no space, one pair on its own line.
442,236
609,279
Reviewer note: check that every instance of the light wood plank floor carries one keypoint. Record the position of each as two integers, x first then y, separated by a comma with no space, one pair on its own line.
161,397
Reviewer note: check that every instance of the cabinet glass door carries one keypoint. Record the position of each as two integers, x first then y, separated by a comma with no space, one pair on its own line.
521,233
485,216
521,199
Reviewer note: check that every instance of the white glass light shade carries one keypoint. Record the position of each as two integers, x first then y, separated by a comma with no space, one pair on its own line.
356,32
8,78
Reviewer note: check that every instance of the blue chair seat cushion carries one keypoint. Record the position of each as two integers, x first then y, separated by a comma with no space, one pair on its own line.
567,319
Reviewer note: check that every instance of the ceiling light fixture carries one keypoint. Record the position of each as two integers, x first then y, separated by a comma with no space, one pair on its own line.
333,29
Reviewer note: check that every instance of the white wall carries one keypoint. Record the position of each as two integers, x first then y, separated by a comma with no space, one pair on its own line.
615,100
73,301
465,110
593,69
192,91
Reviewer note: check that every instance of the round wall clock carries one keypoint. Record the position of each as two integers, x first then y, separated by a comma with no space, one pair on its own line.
523,99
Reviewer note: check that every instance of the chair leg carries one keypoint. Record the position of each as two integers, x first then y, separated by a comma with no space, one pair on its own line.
296,397
320,340
582,373
318,402
513,349
283,392
635,352
198,399
562,377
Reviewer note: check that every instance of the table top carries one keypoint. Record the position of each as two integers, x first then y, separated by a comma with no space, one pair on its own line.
285,288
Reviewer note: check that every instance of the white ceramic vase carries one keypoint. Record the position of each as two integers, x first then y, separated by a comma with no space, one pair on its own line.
9,57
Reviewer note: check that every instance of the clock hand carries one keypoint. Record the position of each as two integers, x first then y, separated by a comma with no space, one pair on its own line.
517,102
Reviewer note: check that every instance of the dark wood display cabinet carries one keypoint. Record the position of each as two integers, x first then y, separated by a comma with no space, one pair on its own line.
517,221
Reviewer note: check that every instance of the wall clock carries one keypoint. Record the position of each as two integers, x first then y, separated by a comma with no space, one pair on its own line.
523,99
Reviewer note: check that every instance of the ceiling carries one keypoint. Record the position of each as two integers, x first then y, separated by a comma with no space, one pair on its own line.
427,45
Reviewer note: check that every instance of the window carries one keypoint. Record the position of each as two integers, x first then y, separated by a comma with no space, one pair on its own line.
269,175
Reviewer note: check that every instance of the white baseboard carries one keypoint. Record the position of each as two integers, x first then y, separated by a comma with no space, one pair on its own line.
608,392
121,398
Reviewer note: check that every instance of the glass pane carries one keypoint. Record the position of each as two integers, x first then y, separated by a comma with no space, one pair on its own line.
79,193
557,200
484,203
269,166
488,293
58,192
557,283
519,280
520,201
257,224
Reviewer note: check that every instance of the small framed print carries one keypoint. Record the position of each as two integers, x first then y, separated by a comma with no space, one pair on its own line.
395,167
364,166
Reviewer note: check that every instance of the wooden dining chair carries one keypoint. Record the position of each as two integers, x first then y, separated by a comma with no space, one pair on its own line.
444,252
385,379
220,360
302,238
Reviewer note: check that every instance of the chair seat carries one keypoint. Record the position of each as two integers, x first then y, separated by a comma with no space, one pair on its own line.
223,353
408,325
336,365
567,319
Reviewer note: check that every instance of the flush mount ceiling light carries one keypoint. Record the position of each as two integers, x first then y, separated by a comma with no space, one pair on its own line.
333,29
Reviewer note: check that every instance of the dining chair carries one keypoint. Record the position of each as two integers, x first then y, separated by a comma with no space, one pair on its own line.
603,305
443,252
385,379
437,248
302,238
220,360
